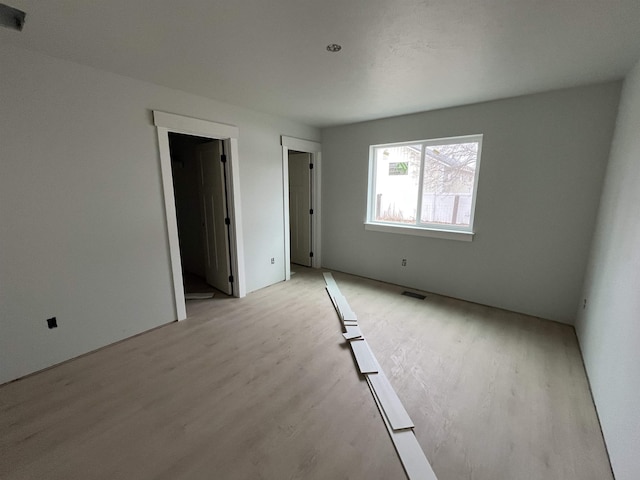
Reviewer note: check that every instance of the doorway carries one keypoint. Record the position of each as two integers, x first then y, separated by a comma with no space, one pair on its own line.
228,135
313,150
201,200
300,208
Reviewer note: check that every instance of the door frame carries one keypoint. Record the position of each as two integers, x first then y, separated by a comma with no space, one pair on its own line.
169,122
315,149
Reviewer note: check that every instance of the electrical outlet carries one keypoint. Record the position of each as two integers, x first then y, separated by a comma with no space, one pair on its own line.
52,322
404,262
584,304
273,260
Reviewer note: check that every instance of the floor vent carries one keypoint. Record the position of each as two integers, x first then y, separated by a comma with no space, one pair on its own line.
419,296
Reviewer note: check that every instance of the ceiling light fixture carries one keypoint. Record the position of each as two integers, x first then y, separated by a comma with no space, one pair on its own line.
334,47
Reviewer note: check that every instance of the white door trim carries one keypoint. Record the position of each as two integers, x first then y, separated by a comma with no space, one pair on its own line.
315,149
169,122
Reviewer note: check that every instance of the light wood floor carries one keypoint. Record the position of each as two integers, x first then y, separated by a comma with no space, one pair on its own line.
264,388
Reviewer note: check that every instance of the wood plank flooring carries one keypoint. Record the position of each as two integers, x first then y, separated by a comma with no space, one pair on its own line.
265,388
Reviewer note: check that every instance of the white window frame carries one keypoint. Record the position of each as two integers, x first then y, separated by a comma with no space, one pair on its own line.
451,232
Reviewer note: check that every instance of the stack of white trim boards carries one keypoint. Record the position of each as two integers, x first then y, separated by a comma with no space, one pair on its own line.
393,413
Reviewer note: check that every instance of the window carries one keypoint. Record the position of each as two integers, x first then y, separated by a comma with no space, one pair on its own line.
426,187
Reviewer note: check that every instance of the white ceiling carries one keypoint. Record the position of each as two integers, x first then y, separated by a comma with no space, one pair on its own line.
398,56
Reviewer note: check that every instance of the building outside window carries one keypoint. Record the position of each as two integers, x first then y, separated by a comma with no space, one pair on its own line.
428,184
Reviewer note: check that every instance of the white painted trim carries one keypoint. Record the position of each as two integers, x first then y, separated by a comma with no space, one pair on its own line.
476,179
172,224
285,214
346,314
394,410
300,145
315,149
168,122
414,461
367,362
332,286
395,417
332,298
352,332
420,231
194,126
316,261
333,293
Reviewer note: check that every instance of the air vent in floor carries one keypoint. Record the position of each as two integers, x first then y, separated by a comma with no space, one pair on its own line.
419,296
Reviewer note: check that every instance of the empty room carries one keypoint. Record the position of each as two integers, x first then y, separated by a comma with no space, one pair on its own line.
320,240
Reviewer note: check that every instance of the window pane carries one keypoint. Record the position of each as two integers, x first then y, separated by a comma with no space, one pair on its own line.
447,190
397,178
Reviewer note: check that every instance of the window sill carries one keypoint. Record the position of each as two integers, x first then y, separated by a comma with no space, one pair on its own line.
420,231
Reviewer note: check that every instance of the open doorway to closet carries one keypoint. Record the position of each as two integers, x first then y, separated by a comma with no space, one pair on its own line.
199,173
301,162
226,138
300,208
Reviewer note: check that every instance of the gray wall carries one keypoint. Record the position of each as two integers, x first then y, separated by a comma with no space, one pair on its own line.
543,163
609,327
82,223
